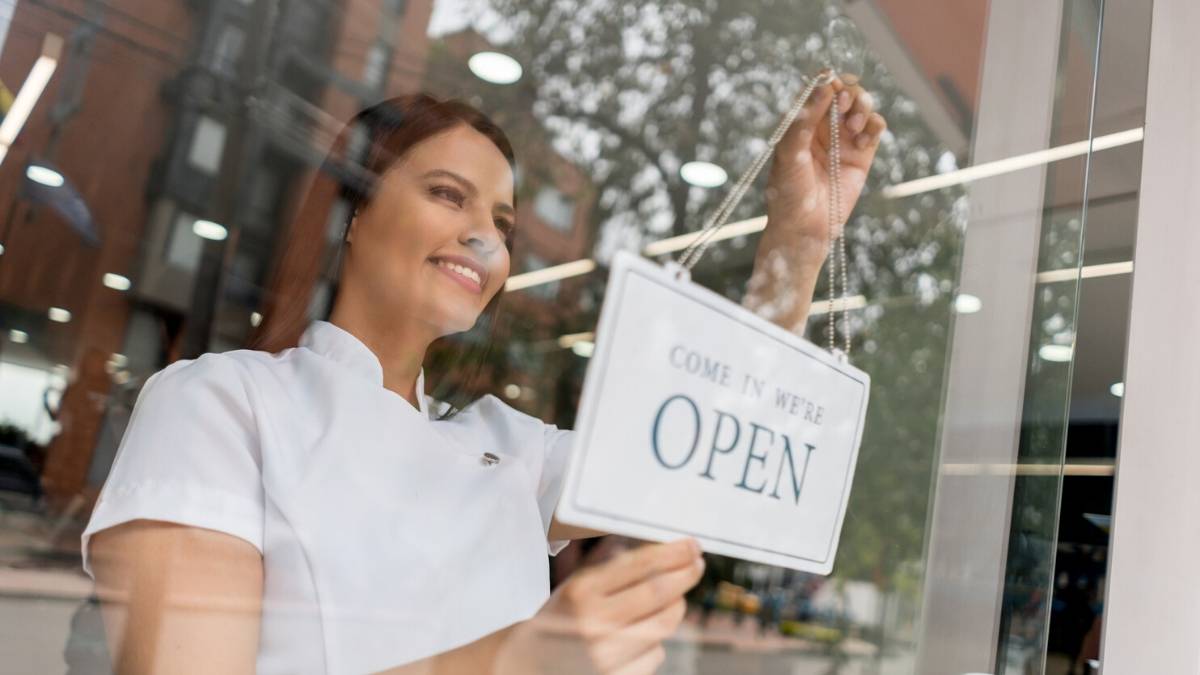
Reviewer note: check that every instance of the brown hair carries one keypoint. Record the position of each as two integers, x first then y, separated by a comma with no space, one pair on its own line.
370,143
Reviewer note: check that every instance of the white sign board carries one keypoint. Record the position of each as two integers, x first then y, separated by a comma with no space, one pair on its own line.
700,419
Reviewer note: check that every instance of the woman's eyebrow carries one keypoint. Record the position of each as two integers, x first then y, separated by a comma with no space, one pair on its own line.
468,186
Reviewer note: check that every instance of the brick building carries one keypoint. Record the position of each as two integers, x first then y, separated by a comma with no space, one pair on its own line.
215,111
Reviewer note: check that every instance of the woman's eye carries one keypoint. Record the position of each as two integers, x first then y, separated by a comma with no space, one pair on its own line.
504,225
448,193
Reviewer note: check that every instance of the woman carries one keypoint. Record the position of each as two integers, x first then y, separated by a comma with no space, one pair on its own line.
311,510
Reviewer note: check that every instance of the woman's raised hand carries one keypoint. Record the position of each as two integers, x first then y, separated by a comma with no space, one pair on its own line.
611,618
797,237
799,185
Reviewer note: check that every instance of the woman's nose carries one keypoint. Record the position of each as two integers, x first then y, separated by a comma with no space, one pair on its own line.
482,235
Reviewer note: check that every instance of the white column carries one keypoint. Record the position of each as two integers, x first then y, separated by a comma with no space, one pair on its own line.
1152,609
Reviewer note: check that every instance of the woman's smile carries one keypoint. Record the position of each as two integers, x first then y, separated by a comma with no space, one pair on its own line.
466,272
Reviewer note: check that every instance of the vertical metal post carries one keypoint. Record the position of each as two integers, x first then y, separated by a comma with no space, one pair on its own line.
968,529
1152,609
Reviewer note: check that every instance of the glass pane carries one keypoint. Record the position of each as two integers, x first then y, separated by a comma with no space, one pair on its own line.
179,188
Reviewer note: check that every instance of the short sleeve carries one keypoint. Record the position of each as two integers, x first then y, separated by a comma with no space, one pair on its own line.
190,455
558,443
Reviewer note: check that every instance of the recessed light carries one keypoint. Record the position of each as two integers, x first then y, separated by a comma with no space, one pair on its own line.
495,67
59,314
207,229
116,281
255,319
44,175
1056,353
967,304
512,391
18,336
584,348
1117,389
703,174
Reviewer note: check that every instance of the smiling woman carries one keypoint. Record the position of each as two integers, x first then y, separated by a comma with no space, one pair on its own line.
406,196
311,487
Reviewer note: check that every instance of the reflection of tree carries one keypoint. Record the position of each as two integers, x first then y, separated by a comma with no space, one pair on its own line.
631,90
636,89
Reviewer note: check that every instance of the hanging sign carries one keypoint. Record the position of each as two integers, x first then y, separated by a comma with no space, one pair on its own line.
701,419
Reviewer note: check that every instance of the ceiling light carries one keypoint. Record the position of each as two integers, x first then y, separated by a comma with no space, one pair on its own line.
727,231
703,174
1012,164
1,249
119,360
207,229
512,391
548,274
495,67
567,341
18,336
116,281
30,91
846,304
1086,272
965,303
44,175
1056,353
1117,389
255,319
584,348
59,314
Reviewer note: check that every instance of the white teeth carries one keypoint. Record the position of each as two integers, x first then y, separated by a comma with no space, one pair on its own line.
460,270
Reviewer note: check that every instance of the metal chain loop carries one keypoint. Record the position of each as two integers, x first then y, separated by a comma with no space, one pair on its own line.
837,242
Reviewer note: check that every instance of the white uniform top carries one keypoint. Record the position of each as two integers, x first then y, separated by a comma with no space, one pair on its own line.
385,535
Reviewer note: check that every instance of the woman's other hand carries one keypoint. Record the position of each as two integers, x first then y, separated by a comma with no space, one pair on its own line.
800,182
611,618
796,240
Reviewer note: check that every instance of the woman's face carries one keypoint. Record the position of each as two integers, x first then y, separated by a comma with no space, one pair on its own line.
430,244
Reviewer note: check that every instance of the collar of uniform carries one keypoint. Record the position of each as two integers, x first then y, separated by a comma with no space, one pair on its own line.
338,345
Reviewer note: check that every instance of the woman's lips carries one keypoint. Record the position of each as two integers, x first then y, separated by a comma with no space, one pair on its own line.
466,275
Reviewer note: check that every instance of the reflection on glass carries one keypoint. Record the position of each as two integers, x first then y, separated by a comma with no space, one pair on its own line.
193,131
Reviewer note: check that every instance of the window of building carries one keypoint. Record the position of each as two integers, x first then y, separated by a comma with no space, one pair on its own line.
227,52
184,248
208,145
376,66
555,208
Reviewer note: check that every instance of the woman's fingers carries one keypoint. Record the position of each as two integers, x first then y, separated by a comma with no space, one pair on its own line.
626,644
870,136
641,563
653,594
858,110
646,663
797,141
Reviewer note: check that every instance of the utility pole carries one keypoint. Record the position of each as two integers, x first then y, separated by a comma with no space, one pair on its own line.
243,143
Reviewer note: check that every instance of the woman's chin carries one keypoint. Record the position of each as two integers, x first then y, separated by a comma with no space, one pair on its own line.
459,323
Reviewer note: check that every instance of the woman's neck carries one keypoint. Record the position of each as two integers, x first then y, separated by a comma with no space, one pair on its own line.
399,345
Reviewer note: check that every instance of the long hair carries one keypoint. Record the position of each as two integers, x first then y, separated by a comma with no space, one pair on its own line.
371,143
